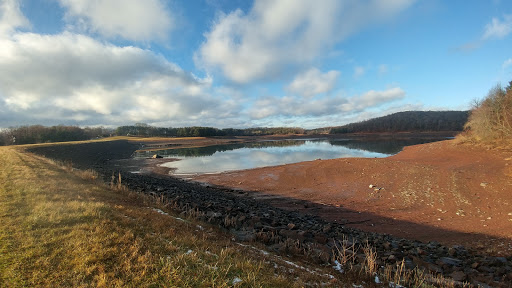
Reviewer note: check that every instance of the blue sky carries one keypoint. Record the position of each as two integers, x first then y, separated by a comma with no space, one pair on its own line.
246,63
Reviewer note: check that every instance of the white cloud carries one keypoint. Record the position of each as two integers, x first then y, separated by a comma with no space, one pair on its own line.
374,98
498,28
130,19
359,71
70,77
337,105
11,16
277,35
313,82
507,63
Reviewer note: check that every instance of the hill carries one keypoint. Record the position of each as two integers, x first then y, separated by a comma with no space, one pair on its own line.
408,121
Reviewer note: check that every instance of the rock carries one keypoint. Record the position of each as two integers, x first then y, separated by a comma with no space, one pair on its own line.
483,184
321,239
458,276
327,228
434,268
156,156
499,261
420,251
244,236
450,261
290,226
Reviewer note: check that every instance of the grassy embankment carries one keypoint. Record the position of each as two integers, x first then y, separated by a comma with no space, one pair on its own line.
61,227
65,229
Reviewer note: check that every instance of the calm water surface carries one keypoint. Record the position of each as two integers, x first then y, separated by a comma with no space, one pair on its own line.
221,158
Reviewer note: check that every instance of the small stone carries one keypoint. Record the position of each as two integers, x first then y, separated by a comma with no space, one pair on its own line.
499,261
475,265
291,226
509,276
321,239
458,276
434,268
371,186
450,261
483,184
327,228
244,236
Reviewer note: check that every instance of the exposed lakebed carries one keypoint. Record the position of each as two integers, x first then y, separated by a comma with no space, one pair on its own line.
240,156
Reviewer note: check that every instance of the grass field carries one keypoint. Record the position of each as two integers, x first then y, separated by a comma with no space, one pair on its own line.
63,228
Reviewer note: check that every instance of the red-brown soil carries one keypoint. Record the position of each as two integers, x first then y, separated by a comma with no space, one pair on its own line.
446,192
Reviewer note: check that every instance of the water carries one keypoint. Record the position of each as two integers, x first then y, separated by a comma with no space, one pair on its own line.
221,158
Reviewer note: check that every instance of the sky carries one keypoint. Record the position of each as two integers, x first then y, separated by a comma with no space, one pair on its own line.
234,63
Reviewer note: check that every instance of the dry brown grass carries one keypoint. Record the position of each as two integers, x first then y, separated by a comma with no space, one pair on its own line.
490,120
346,254
63,229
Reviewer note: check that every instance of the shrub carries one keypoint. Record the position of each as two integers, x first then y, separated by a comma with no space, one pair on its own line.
491,118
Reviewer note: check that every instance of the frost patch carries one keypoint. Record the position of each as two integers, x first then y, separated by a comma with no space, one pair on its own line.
337,267
159,211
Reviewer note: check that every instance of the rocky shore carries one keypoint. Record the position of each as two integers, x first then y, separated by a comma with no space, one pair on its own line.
283,231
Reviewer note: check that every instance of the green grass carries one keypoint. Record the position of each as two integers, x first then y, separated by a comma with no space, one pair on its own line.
64,229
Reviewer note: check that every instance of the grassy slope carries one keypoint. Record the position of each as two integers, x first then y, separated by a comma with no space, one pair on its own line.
63,229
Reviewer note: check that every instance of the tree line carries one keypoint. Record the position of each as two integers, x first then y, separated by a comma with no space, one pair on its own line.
399,122
199,131
41,134
408,121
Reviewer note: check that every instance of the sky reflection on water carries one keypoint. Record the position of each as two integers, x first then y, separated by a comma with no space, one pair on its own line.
220,158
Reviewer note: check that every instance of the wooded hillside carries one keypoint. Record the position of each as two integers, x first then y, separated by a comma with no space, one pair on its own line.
409,121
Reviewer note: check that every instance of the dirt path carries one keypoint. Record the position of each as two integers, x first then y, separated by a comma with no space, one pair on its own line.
445,192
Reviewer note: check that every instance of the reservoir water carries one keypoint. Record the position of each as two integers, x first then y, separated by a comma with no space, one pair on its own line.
230,157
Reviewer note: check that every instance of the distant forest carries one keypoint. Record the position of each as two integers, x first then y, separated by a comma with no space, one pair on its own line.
409,121
196,131
41,134
413,121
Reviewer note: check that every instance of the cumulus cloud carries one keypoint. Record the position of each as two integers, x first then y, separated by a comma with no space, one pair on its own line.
11,16
323,106
373,98
276,35
130,19
312,82
78,78
498,28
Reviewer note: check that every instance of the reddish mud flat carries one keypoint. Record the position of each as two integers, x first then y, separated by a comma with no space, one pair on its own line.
446,192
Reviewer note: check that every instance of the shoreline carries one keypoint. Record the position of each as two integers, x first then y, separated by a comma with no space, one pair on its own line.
274,218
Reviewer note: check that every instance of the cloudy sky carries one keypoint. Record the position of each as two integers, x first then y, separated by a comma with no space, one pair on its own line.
227,63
